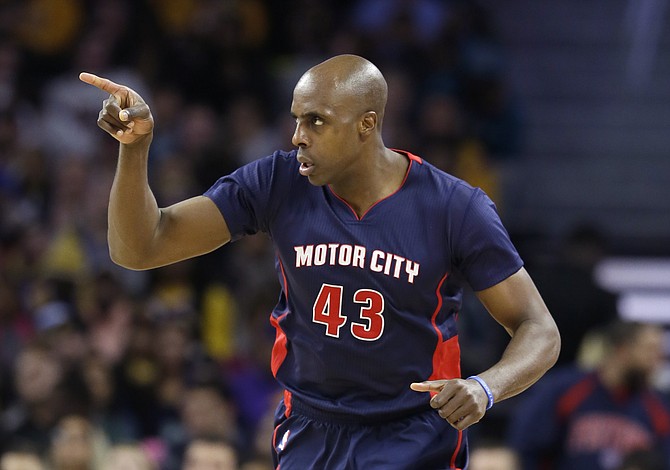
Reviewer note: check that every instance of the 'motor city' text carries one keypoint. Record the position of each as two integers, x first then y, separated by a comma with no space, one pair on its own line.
336,254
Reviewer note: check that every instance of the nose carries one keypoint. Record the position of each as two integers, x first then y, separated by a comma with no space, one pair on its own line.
299,138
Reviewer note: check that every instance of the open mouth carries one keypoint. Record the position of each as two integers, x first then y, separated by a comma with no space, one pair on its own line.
306,169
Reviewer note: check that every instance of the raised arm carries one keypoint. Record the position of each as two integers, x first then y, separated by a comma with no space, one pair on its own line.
533,348
141,235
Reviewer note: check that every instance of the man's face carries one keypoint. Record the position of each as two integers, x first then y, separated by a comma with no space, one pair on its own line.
494,458
205,412
72,445
645,355
20,461
203,455
37,374
326,131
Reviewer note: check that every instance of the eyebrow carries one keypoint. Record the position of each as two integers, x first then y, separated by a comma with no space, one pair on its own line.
309,114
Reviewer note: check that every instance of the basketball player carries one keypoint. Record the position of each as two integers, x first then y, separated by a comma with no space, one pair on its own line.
373,247
609,417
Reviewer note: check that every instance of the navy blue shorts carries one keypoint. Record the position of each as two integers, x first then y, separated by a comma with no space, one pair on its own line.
306,438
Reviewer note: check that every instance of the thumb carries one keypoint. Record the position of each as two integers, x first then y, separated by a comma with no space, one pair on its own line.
139,111
428,386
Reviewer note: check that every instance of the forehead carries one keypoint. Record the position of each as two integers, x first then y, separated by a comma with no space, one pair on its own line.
649,335
316,95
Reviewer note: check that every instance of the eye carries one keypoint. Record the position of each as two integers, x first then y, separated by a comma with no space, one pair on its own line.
317,121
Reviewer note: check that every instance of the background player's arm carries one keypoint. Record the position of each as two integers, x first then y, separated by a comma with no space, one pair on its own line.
141,235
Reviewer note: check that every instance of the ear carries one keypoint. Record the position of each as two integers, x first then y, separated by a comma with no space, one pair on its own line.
368,123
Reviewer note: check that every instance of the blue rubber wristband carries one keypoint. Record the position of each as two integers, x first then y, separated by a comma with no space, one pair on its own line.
486,389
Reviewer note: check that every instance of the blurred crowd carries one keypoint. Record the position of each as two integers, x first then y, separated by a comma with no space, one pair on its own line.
105,368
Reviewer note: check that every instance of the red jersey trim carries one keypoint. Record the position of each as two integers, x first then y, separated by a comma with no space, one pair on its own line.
279,349
287,403
456,450
658,414
447,354
574,396
409,155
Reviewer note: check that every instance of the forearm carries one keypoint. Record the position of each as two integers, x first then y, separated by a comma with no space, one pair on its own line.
133,214
532,351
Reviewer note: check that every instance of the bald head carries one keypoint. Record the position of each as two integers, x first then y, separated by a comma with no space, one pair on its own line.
351,79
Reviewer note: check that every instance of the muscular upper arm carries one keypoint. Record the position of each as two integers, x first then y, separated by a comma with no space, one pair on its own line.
514,300
189,228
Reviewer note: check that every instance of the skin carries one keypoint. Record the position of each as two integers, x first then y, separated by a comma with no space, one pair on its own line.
493,458
127,457
644,354
20,461
203,455
338,107
338,131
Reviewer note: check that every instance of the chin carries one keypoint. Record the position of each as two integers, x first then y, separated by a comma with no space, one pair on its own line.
314,180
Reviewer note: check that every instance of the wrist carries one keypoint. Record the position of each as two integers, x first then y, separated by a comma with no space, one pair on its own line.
487,390
141,143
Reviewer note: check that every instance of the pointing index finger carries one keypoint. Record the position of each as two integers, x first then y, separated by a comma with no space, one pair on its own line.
428,386
102,83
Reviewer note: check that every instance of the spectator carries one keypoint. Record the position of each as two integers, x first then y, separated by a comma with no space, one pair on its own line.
138,376
20,461
257,464
106,313
592,420
210,454
15,328
493,455
76,444
37,400
21,456
127,457
252,384
206,412
108,409
261,452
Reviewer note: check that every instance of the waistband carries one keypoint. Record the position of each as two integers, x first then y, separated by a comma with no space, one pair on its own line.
298,406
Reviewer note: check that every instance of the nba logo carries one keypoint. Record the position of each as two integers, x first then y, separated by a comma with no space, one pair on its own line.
284,440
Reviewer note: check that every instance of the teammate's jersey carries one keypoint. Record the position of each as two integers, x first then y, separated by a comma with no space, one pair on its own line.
368,305
571,420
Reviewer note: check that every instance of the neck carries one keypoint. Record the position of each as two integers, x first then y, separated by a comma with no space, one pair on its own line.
378,177
610,377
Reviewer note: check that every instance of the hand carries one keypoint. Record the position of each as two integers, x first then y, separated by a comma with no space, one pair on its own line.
461,402
124,115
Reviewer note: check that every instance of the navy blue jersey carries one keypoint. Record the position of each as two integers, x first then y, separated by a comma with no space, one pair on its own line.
571,421
368,304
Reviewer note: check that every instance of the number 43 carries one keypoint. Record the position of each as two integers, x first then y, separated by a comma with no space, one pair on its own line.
327,310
